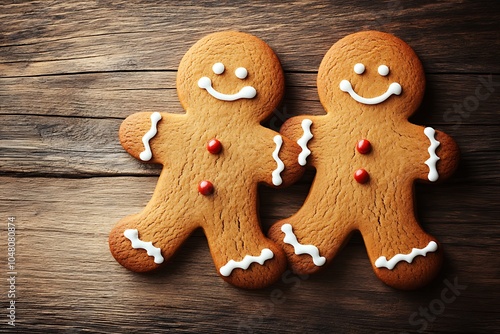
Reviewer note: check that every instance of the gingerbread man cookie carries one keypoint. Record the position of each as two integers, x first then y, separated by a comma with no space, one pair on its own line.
367,157
214,157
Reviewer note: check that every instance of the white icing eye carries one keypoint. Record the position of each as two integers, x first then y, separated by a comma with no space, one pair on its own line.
383,70
241,72
218,68
359,68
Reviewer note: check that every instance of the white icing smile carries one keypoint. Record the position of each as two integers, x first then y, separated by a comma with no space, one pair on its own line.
383,70
247,92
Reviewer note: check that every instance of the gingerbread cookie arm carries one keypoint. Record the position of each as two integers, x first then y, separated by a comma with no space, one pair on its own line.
301,130
442,155
279,159
141,134
449,154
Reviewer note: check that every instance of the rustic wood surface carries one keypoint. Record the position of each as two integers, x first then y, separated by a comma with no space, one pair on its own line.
71,71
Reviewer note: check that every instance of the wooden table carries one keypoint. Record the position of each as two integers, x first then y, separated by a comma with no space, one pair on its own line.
71,71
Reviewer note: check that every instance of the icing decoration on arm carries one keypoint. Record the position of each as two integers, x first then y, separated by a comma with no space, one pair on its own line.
299,249
382,261
306,128
247,92
265,254
133,236
431,162
146,155
280,165
383,70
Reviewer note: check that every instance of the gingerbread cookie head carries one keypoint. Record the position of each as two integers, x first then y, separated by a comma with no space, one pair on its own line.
371,71
228,71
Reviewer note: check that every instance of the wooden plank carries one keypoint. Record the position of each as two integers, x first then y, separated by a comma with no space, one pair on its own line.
89,36
99,95
450,99
66,275
69,146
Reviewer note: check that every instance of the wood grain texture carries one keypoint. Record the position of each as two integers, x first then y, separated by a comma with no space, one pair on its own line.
71,71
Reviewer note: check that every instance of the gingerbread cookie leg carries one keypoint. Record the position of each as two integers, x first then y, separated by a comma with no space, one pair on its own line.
401,253
136,244
242,254
308,242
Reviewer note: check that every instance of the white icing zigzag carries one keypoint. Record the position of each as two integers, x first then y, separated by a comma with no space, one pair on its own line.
382,261
306,128
281,166
265,254
133,236
431,162
312,250
146,155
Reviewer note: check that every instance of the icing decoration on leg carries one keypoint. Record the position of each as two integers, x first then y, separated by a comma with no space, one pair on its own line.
299,249
281,166
265,254
382,261
306,128
146,155
133,236
431,162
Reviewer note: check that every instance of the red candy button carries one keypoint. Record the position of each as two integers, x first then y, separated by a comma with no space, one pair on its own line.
361,176
364,146
206,188
214,146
